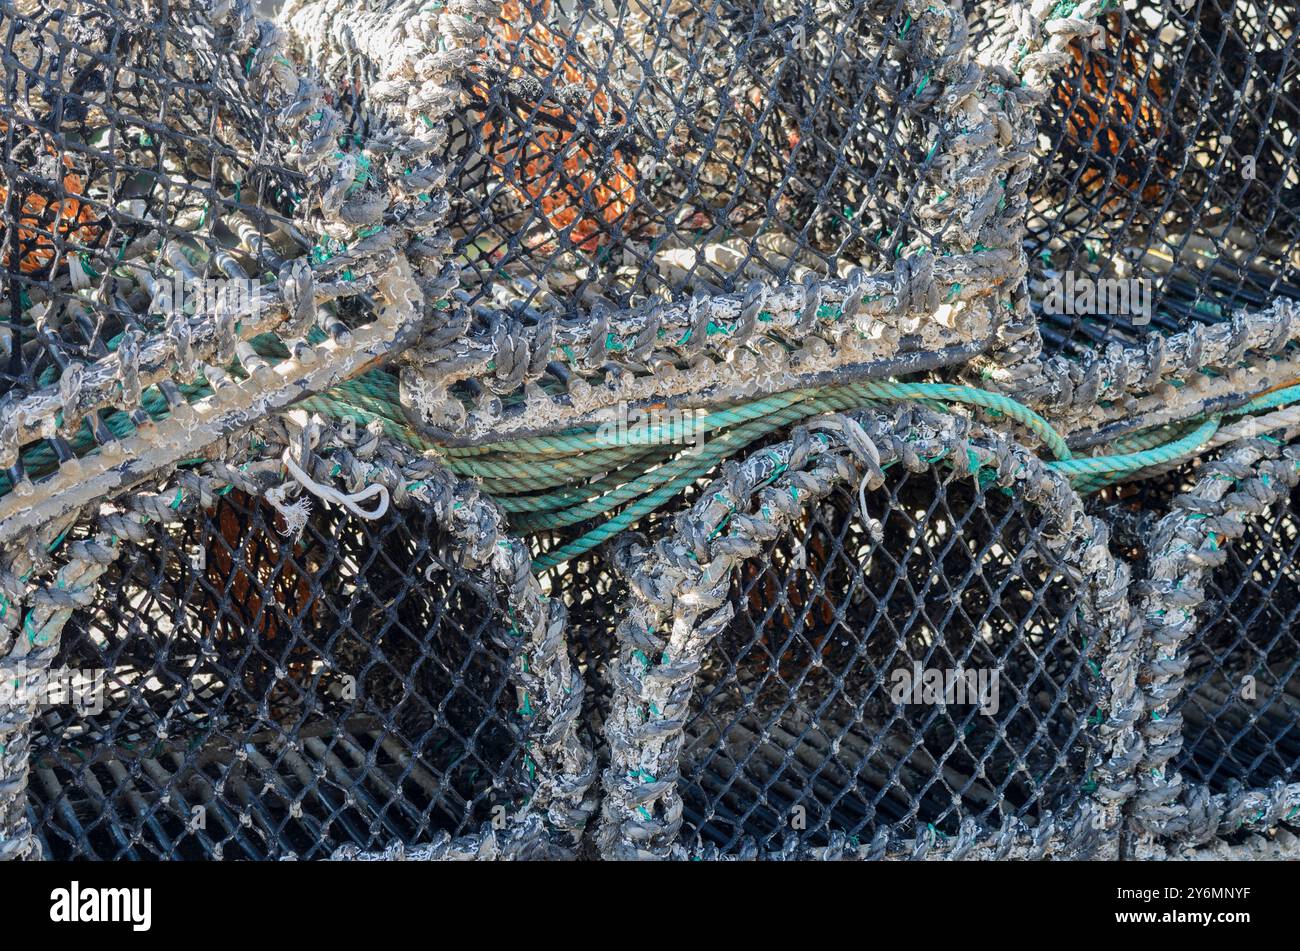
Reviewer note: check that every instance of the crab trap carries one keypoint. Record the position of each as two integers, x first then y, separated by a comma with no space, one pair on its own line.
815,696
1168,160
628,429
303,696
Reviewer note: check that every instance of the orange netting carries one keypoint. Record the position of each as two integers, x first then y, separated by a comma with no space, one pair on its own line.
43,219
546,160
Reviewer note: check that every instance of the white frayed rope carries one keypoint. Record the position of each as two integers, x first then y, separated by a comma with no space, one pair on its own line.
295,514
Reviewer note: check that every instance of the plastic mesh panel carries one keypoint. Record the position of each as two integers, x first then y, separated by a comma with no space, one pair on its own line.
797,705
1241,709
623,149
306,695
1169,154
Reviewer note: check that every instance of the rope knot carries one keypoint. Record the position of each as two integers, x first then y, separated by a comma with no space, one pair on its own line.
915,291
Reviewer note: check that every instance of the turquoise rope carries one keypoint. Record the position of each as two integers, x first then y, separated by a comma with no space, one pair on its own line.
725,445
1143,459
556,480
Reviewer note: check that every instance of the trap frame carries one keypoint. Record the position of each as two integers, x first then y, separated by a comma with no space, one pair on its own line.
817,235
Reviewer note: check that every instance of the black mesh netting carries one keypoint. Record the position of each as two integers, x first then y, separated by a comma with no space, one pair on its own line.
132,151
802,719
620,150
267,697
350,688
1169,150
623,149
1241,708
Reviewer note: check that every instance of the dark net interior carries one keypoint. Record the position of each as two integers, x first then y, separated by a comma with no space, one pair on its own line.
1169,148
1241,710
348,688
633,149
809,716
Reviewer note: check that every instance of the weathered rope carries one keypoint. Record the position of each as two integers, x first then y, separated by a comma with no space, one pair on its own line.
679,600
232,407
332,495
528,839
1191,540
1063,387
1281,846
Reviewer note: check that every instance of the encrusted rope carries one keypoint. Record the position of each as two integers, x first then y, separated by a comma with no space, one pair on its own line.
559,768
1188,542
679,600
1065,387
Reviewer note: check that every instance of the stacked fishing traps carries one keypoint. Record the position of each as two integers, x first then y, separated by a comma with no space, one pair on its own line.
584,412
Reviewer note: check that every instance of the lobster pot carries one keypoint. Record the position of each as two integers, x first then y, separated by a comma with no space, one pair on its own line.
1168,147
265,697
811,714
1241,705
629,152
131,141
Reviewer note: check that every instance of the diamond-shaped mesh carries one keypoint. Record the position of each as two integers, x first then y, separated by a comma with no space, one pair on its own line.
1169,149
351,687
270,696
801,719
1241,707
124,130
624,149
